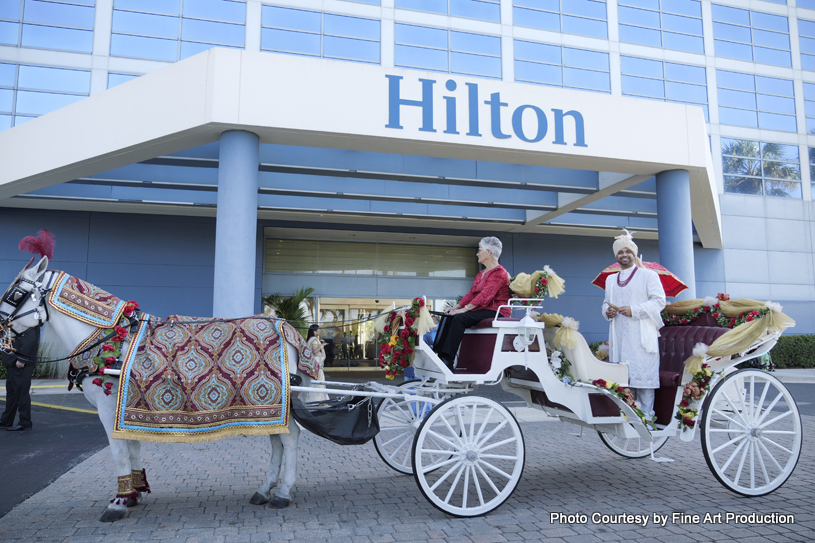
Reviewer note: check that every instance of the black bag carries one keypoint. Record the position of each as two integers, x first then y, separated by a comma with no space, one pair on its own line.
350,420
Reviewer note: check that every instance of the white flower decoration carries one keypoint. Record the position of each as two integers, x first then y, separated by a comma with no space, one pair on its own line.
774,306
700,350
709,301
569,322
548,270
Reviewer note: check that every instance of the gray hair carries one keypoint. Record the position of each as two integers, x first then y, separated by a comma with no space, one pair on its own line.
493,245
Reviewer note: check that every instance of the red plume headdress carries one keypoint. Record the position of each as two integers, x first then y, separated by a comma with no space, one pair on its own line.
43,244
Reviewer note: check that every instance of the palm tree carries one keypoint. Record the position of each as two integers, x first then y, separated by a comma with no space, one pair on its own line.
744,167
291,308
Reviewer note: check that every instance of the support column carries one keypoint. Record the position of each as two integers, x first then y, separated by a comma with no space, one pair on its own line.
236,226
676,227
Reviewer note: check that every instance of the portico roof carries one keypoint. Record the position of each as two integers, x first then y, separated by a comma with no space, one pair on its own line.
300,101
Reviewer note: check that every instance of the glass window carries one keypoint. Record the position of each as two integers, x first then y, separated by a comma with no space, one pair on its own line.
467,53
52,37
27,91
53,13
670,24
166,7
753,167
217,10
118,79
211,32
809,108
751,35
806,39
558,66
319,34
54,79
486,10
757,101
348,258
583,17
60,25
666,81
170,30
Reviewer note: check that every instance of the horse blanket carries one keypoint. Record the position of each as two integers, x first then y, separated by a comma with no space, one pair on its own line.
85,302
189,379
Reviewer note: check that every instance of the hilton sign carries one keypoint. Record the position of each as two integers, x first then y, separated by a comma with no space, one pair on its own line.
396,102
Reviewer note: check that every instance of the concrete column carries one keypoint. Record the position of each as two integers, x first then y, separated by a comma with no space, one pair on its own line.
676,227
236,226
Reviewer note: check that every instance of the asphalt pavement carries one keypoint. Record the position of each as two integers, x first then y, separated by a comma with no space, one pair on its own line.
58,481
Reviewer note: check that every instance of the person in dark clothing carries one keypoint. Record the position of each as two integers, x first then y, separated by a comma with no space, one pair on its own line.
19,369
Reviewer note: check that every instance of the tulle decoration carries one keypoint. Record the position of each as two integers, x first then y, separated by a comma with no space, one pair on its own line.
43,244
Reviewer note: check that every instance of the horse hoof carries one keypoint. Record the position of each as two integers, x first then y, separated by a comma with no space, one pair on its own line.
258,499
131,502
112,515
279,503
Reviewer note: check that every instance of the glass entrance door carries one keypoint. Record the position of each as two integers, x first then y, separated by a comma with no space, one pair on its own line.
348,328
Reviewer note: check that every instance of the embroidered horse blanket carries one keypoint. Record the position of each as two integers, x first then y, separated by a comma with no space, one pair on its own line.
188,379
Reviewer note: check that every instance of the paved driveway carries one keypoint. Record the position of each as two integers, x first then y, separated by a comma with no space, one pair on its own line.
346,494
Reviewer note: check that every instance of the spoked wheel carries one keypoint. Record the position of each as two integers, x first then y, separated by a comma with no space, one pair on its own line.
399,420
751,432
633,447
468,455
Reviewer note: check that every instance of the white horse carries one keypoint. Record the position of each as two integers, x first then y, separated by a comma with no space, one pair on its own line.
25,305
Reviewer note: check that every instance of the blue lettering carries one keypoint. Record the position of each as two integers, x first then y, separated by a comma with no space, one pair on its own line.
395,101
580,137
472,90
451,108
495,104
518,126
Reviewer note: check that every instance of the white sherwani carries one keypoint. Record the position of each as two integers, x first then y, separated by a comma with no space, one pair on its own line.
633,340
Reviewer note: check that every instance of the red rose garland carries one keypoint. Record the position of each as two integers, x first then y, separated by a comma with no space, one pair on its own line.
397,346
112,349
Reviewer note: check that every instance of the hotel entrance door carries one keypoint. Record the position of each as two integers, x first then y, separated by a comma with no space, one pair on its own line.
348,327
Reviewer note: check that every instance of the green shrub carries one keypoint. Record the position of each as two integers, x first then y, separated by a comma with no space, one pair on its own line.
794,351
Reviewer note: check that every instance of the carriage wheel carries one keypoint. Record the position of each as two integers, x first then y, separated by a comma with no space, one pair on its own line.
399,419
468,455
751,432
632,447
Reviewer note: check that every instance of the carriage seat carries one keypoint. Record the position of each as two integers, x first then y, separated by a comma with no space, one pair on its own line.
675,346
475,352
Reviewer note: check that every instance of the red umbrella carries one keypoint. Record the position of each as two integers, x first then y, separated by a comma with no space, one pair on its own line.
672,284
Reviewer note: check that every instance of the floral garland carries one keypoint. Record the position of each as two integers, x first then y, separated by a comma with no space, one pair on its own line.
625,395
112,349
397,347
560,366
541,288
714,309
694,392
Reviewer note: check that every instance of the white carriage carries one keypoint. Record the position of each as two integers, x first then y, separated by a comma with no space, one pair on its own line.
466,451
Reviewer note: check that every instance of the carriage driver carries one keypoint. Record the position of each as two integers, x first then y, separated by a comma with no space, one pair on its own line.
633,302
489,291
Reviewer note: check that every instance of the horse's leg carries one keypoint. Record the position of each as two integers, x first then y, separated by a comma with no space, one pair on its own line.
283,495
106,406
264,493
137,471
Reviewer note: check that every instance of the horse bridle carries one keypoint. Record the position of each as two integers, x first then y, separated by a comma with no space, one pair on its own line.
15,296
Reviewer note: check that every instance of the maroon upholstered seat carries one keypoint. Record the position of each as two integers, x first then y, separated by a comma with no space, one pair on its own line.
675,346
476,350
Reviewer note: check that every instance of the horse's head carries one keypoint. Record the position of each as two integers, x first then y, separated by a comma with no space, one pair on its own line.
23,304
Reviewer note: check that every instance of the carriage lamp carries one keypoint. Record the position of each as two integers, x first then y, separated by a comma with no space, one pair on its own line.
526,334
